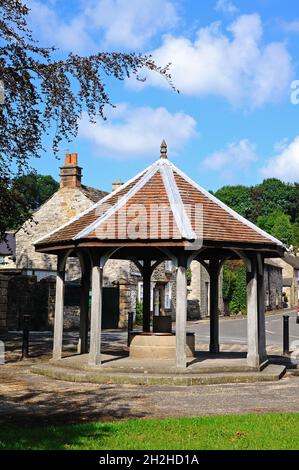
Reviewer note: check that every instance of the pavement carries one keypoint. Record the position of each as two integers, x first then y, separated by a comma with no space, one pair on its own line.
234,330
29,399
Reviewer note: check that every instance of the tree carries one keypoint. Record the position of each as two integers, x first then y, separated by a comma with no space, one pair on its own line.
234,287
29,192
275,195
279,225
236,197
41,92
35,188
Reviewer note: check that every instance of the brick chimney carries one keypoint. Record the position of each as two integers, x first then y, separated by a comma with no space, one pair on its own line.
70,173
116,185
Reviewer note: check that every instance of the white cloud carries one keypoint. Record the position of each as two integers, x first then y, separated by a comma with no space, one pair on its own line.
237,156
103,23
137,131
53,29
290,26
225,6
235,65
285,165
131,24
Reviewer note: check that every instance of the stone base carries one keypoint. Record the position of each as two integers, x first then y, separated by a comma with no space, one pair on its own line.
159,346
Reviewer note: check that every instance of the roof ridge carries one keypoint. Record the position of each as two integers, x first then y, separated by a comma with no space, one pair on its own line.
93,206
151,171
176,203
237,216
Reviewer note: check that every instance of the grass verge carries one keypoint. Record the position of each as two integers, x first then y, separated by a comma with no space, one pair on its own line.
265,431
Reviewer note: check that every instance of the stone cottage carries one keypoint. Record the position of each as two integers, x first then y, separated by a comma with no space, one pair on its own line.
273,284
290,279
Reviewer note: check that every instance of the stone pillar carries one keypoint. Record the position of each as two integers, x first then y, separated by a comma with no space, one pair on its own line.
96,316
84,310
181,315
59,307
214,312
261,310
146,295
253,358
125,304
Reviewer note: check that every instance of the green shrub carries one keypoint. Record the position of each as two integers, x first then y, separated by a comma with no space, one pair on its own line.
139,313
234,288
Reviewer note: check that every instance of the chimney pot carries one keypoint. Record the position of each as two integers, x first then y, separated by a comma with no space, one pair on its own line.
116,185
70,173
74,159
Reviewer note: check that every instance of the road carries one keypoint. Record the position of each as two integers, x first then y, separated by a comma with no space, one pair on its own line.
234,331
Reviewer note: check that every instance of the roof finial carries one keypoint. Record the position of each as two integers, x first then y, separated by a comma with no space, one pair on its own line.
163,149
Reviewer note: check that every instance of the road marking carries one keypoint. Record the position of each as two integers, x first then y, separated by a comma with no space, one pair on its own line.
271,332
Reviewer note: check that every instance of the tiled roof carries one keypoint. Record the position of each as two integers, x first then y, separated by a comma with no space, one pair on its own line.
165,185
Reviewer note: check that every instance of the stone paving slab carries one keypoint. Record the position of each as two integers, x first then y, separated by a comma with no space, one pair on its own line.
270,373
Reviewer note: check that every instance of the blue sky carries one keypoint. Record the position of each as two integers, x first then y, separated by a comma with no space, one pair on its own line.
233,61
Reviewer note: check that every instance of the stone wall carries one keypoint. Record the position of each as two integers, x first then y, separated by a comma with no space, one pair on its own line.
273,285
3,302
23,295
198,292
22,300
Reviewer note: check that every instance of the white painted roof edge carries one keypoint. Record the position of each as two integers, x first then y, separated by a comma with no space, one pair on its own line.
139,185
96,204
176,204
226,208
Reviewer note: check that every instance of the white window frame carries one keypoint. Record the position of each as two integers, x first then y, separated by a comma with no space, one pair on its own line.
168,266
168,296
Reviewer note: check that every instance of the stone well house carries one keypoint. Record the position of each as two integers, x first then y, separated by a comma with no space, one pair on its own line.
122,280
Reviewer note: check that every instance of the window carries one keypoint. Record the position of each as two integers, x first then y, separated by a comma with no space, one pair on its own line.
168,266
2,259
167,299
140,292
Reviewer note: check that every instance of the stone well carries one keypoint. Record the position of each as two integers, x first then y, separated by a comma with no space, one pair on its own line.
158,345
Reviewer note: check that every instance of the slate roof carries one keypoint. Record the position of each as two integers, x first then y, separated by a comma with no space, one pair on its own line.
8,245
164,184
92,193
292,260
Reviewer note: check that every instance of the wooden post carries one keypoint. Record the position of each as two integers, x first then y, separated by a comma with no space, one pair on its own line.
59,307
96,315
146,295
214,313
181,315
253,358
